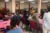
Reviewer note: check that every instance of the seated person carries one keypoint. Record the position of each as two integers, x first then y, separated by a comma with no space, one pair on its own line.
1,16
15,26
1,31
6,17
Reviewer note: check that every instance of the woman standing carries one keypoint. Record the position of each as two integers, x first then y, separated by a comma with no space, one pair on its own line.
46,19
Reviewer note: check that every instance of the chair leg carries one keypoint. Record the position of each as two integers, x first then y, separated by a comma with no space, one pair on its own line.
29,29
48,31
34,31
41,31
22,25
37,31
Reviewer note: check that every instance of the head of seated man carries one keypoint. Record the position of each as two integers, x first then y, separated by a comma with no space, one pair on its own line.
14,25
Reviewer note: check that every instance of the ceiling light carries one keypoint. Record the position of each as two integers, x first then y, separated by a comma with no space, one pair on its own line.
21,1
30,0
33,2
6,0
44,1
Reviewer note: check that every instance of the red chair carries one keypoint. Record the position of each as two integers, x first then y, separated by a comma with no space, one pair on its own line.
1,16
24,20
33,25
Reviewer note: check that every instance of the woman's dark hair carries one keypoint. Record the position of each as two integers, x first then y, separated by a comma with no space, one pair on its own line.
48,8
14,21
42,13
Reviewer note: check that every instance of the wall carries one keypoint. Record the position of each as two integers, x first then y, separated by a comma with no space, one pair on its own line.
9,6
21,6
2,5
44,6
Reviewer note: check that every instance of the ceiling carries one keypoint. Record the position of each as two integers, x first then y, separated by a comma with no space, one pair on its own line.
27,0
34,1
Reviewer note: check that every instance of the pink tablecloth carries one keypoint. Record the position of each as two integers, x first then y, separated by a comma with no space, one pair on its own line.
3,24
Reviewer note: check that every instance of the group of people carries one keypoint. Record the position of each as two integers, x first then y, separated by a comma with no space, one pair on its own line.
43,18
46,20
14,22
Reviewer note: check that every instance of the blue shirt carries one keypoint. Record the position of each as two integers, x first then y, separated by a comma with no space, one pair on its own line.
18,30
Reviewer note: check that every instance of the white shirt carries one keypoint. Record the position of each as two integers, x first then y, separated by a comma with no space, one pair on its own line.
30,18
46,20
